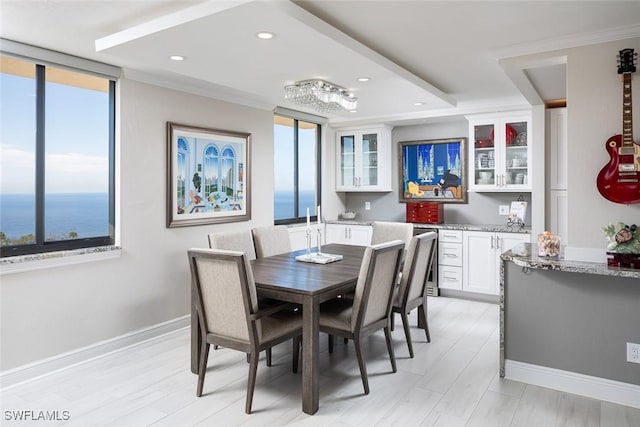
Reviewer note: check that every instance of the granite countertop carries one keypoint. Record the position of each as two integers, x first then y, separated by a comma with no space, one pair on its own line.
526,255
466,227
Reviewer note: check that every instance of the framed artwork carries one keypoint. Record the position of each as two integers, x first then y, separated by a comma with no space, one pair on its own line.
208,176
433,170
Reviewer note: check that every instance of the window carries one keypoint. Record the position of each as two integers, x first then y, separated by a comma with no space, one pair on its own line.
297,171
57,157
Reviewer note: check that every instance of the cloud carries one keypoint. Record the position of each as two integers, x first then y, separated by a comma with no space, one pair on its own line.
65,173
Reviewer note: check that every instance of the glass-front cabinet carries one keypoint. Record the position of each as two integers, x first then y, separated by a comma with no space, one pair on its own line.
500,153
364,159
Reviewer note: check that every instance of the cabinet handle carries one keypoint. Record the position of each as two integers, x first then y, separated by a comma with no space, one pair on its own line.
345,232
451,279
492,242
451,255
498,242
453,236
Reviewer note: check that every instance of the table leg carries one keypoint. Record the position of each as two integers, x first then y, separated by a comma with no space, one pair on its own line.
310,349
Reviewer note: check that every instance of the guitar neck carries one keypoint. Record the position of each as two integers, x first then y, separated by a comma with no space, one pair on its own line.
627,112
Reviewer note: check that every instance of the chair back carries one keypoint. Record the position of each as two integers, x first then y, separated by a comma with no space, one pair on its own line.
376,281
271,240
417,265
234,241
387,231
225,293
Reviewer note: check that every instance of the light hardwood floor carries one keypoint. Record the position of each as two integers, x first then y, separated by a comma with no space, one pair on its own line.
452,381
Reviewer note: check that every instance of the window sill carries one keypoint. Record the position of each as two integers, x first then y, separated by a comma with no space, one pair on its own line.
23,263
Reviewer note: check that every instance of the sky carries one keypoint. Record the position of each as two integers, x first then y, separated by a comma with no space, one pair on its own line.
306,152
76,138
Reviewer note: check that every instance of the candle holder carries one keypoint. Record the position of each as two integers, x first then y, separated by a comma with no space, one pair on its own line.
308,231
319,239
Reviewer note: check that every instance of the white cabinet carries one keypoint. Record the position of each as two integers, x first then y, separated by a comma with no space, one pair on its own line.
558,147
359,235
500,153
481,258
298,237
364,159
450,257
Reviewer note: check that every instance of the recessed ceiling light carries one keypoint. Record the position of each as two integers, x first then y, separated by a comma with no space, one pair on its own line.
176,58
353,111
417,104
264,35
364,79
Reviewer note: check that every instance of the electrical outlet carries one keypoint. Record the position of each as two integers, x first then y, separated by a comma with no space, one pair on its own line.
633,352
367,206
504,210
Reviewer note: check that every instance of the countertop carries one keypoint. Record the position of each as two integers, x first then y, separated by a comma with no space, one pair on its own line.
526,255
502,228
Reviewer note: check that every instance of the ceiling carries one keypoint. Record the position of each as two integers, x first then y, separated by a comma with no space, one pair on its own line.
453,57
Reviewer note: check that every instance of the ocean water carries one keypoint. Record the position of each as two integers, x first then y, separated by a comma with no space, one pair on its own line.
283,204
86,214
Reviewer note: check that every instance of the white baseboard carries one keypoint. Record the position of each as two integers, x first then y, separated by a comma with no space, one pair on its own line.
571,382
31,371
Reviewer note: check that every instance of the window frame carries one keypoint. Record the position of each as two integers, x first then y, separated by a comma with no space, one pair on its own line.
42,59
318,121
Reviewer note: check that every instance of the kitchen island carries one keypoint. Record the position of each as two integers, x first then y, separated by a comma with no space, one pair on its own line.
565,325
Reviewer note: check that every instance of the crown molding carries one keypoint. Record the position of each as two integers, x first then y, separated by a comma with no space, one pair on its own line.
570,41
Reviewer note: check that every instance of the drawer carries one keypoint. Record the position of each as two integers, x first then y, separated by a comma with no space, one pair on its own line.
450,254
454,236
450,277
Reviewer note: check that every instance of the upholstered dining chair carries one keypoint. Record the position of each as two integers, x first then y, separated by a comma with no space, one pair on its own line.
234,241
385,231
271,240
229,314
370,309
412,292
238,241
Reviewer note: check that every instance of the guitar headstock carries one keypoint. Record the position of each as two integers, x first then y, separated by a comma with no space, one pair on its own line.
627,61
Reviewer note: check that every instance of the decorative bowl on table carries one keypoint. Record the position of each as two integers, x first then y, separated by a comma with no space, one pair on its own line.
349,215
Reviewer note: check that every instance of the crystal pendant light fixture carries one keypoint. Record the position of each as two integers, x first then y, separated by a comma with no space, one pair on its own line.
323,96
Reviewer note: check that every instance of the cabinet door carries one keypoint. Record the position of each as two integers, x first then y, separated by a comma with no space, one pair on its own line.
479,260
483,155
298,238
368,174
346,161
335,233
360,235
516,157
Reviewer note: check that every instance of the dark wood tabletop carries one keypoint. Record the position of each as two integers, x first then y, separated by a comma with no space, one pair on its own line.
283,273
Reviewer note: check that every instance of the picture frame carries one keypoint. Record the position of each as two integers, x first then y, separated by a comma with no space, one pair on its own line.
208,176
433,170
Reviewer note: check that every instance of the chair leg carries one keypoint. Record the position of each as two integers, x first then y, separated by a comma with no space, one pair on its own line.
331,341
204,355
407,333
251,384
361,365
268,356
346,340
296,354
215,346
424,319
393,320
387,335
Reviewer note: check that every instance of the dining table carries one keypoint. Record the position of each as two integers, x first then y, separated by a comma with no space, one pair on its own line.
284,278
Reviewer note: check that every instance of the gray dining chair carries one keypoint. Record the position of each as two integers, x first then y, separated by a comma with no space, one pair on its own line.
385,231
370,309
235,241
229,314
412,291
271,240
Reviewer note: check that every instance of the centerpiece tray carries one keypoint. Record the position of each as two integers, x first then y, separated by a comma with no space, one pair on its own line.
319,258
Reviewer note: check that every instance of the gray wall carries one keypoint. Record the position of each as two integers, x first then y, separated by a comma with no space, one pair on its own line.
482,208
572,321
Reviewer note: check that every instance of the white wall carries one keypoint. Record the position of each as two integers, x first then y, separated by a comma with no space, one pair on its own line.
52,311
594,105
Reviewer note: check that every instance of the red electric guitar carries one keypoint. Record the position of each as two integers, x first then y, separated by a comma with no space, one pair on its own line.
619,180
